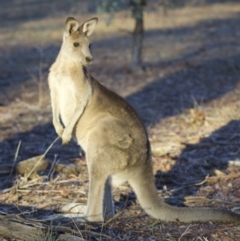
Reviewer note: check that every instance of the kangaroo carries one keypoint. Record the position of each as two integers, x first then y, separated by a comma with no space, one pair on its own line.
110,132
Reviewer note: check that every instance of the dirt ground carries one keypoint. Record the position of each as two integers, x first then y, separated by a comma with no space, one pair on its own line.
188,97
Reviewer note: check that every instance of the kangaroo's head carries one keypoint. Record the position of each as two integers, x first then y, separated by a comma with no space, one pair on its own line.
76,44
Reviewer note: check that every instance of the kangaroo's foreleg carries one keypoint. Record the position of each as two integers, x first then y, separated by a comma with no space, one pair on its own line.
67,133
56,112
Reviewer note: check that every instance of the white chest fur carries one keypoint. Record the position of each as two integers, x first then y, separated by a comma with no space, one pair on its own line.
67,93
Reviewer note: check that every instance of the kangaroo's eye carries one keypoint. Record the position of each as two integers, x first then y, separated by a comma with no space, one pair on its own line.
90,46
75,44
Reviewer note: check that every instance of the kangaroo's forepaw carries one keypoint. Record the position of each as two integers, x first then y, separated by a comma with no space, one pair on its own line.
66,138
65,141
59,129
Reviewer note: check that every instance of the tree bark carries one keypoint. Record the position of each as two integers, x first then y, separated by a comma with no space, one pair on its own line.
20,229
13,226
138,32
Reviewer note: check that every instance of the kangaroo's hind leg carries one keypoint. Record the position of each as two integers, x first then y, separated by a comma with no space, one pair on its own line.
100,201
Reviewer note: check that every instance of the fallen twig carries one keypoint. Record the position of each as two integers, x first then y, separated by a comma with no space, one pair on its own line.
185,232
42,157
15,158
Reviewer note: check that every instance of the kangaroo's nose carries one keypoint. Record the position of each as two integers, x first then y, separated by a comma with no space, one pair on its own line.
89,59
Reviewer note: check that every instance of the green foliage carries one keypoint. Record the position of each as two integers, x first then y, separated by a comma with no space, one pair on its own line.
112,6
136,7
109,6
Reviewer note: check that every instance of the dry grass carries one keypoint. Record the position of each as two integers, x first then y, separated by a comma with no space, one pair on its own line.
188,97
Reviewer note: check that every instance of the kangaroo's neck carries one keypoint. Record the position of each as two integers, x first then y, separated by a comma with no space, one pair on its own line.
67,67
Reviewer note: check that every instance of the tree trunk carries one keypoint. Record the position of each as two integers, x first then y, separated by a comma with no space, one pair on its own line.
138,32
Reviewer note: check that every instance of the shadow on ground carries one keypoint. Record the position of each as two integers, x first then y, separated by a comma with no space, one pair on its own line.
34,143
197,161
201,83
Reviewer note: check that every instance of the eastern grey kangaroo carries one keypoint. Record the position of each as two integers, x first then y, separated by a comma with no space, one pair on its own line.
110,132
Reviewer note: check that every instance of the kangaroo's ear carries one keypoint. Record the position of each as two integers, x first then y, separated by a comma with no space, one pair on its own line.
71,25
89,26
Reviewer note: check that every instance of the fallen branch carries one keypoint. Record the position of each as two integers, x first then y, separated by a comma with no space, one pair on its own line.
21,229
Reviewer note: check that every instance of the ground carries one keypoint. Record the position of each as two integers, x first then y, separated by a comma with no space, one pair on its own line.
187,96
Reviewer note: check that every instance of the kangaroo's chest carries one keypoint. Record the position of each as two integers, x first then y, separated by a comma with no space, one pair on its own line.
67,91
68,97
